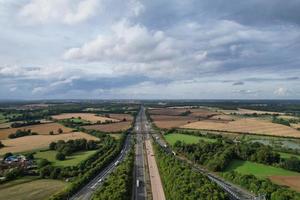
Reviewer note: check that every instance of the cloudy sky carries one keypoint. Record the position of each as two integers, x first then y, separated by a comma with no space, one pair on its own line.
145,49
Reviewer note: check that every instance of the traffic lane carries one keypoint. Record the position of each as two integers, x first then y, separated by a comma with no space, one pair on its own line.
88,189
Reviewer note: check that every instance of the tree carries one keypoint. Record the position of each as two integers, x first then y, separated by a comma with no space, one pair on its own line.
7,155
51,133
60,156
60,131
1,145
42,163
52,146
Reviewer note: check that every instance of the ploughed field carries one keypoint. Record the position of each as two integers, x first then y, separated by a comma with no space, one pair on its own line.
124,123
113,127
249,125
276,175
85,116
29,143
41,129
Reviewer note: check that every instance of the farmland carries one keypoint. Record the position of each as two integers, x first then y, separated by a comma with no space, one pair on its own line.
30,188
251,126
39,141
277,175
166,121
189,139
41,129
2,118
112,127
288,155
72,160
259,170
85,116
291,181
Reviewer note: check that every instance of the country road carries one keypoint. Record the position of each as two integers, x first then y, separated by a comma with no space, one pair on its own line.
86,192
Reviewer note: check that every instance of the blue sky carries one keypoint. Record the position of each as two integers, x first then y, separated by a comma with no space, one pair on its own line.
149,49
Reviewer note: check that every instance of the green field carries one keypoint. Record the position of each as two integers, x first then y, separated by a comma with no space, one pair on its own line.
2,118
189,139
30,188
116,135
259,170
72,160
288,155
77,120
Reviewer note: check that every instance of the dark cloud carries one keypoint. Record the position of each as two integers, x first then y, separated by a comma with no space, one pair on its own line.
238,83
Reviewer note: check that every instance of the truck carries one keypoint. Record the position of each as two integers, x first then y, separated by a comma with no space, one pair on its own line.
137,183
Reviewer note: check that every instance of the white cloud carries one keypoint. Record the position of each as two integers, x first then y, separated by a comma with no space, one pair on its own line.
281,91
62,11
130,43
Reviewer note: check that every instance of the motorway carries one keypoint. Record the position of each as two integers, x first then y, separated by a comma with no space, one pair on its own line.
139,186
234,192
86,192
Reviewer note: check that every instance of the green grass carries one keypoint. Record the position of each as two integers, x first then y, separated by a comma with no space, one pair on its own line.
259,170
2,118
189,139
288,155
77,120
72,160
30,188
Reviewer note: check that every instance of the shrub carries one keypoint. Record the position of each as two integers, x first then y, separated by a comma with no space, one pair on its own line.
60,156
42,163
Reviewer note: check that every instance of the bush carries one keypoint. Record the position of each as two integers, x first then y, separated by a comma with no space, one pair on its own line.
13,174
42,163
60,156
6,155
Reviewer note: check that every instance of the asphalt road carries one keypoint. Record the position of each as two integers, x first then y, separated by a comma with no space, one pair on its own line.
139,188
234,192
86,192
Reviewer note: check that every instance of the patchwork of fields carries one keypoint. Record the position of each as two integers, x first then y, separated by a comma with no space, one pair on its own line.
251,126
29,143
41,129
85,116
276,175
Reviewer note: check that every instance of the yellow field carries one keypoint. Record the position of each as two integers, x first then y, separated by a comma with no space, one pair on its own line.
85,116
247,111
29,143
41,129
121,117
252,126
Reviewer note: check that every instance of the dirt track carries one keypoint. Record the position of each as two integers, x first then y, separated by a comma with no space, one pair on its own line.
156,184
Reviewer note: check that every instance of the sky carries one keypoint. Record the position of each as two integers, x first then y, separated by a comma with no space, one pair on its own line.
149,49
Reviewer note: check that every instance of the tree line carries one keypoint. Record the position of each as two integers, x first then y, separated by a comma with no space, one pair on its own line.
261,186
88,169
216,156
178,178
71,146
118,186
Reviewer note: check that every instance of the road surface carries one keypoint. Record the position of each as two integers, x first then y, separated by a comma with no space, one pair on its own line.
139,186
156,184
86,192
234,192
